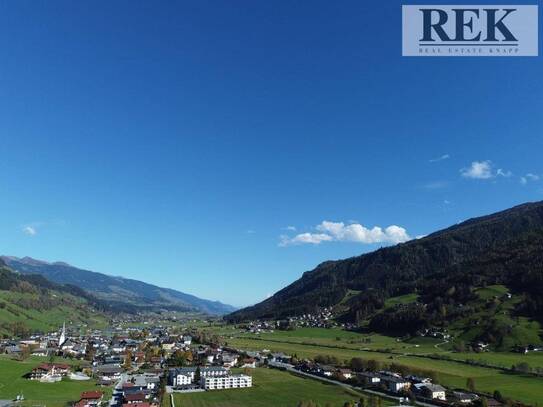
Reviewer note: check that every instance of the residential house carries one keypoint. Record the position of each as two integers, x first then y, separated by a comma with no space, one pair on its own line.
345,373
108,372
463,397
249,362
46,369
431,391
90,399
369,378
229,359
395,384
135,398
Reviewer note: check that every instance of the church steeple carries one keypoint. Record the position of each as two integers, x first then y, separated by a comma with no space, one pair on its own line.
62,338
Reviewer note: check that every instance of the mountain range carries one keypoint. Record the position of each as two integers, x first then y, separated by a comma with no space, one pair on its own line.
122,293
441,273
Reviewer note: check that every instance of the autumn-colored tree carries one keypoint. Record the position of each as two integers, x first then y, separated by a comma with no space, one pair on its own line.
470,384
128,360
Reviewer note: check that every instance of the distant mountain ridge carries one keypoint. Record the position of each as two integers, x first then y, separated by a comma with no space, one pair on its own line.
133,293
441,270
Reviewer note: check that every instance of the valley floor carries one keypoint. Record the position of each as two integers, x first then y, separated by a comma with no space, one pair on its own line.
271,388
451,369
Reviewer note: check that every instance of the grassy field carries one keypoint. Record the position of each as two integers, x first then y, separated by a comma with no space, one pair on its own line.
271,388
402,299
310,342
47,319
373,342
498,308
494,306
58,394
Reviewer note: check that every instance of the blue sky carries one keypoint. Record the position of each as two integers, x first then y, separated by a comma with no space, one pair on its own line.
201,146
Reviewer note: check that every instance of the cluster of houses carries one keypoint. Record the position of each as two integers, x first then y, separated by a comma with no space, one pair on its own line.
134,361
258,327
322,319
390,382
45,345
140,388
435,333
381,381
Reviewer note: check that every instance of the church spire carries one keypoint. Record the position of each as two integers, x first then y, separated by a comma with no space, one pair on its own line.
62,338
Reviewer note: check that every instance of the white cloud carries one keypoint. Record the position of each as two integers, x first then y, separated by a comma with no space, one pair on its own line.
478,170
250,232
441,158
304,238
30,230
503,173
328,231
291,228
529,177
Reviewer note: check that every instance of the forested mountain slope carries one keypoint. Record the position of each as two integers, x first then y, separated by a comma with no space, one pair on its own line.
443,270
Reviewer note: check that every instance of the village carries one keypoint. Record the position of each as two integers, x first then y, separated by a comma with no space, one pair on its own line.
142,365
137,365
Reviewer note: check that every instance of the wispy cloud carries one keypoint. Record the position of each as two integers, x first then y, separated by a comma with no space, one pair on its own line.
328,231
529,177
30,230
502,173
440,158
34,228
478,170
290,228
436,185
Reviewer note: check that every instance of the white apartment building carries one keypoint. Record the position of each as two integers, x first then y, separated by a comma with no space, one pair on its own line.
185,375
226,382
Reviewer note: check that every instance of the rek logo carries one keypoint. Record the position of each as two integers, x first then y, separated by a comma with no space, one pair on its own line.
463,25
470,30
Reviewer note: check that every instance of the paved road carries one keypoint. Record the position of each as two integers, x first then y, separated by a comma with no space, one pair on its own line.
117,394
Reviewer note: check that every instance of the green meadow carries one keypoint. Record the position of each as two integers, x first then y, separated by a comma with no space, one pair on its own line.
416,353
47,318
271,388
58,394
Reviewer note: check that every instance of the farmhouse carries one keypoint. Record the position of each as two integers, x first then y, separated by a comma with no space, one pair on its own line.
135,398
432,391
249,362
395,384
46,369
90,399
369,378
463,397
